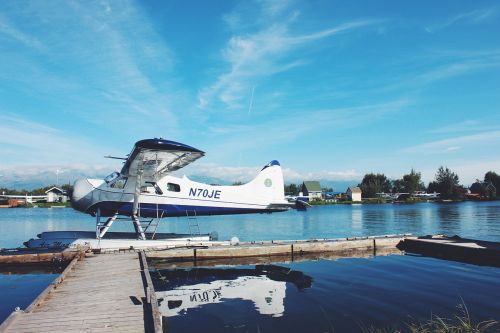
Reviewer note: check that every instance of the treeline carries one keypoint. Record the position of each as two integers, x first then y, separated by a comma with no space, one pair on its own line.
446,182
38,191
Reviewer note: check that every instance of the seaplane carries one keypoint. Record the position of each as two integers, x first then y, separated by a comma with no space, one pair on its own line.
144,191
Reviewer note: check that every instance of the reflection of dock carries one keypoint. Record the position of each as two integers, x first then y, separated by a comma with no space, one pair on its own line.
102,293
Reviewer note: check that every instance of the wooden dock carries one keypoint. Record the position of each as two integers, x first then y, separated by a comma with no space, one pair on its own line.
291,249
101,293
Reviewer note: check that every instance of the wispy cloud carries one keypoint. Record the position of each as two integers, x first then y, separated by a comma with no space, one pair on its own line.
29,143
98,53
252,57
455,143
11,31
466,126
455,69
474,16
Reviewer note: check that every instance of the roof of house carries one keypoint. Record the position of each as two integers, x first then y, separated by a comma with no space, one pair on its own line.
354,189
312,186
55,189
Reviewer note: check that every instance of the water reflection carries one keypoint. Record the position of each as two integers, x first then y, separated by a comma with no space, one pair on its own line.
265,286
356,218
449,218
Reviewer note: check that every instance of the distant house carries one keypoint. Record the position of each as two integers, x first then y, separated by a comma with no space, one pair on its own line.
55,194
482,190
311,189
354,194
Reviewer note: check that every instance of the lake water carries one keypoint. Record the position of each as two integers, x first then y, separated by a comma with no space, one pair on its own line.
344,294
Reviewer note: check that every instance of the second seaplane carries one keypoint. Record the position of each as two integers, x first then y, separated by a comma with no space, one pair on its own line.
146,189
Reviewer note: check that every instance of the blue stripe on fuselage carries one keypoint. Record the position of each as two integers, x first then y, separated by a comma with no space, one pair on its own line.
109,208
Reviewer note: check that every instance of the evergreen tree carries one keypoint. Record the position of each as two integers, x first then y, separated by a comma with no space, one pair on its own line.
448,184
413,182
373,184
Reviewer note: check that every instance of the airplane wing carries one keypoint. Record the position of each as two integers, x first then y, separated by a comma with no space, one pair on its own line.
157,157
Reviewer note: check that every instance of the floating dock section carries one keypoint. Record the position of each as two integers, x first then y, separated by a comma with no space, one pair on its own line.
238,253
35,257
454,248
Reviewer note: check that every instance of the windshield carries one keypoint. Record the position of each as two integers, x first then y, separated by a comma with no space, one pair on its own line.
112,177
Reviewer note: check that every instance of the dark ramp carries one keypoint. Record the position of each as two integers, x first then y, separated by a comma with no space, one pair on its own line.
454,248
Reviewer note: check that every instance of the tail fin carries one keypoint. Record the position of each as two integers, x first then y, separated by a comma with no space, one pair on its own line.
269,183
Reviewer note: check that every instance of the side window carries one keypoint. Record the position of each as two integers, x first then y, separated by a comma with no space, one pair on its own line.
173,187
119,183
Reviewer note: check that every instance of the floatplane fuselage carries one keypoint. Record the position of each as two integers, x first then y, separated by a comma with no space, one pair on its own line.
145,188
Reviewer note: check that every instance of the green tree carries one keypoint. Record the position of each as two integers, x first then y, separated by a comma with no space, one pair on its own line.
433,187
493,178
373,184
397,186
292,189
413,182
447,184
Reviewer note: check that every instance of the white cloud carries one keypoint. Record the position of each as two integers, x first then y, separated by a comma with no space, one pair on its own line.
33,145
245,174
8,29
474,16
455,69
108,57
298,125
455,143
466,126
253,57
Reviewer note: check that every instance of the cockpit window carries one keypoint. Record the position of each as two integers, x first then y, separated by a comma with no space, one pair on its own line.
119,183
111,177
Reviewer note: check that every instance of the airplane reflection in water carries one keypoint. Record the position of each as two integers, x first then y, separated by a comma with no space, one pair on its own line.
265,285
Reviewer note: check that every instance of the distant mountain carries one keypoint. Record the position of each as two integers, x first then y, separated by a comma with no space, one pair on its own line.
29,179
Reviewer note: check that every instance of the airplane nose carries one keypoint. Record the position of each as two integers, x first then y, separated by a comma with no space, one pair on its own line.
81,198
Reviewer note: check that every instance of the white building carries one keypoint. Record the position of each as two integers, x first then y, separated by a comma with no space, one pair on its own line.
55,194
311,189
354,194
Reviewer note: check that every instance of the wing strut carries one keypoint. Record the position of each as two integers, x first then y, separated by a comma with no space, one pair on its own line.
135,210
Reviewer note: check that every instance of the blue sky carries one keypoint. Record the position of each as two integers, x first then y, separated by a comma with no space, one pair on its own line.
331,89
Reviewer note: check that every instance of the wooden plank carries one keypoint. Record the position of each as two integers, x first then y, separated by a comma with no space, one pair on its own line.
37,301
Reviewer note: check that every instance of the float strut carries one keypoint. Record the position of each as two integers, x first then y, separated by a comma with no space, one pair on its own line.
107,225
138,228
